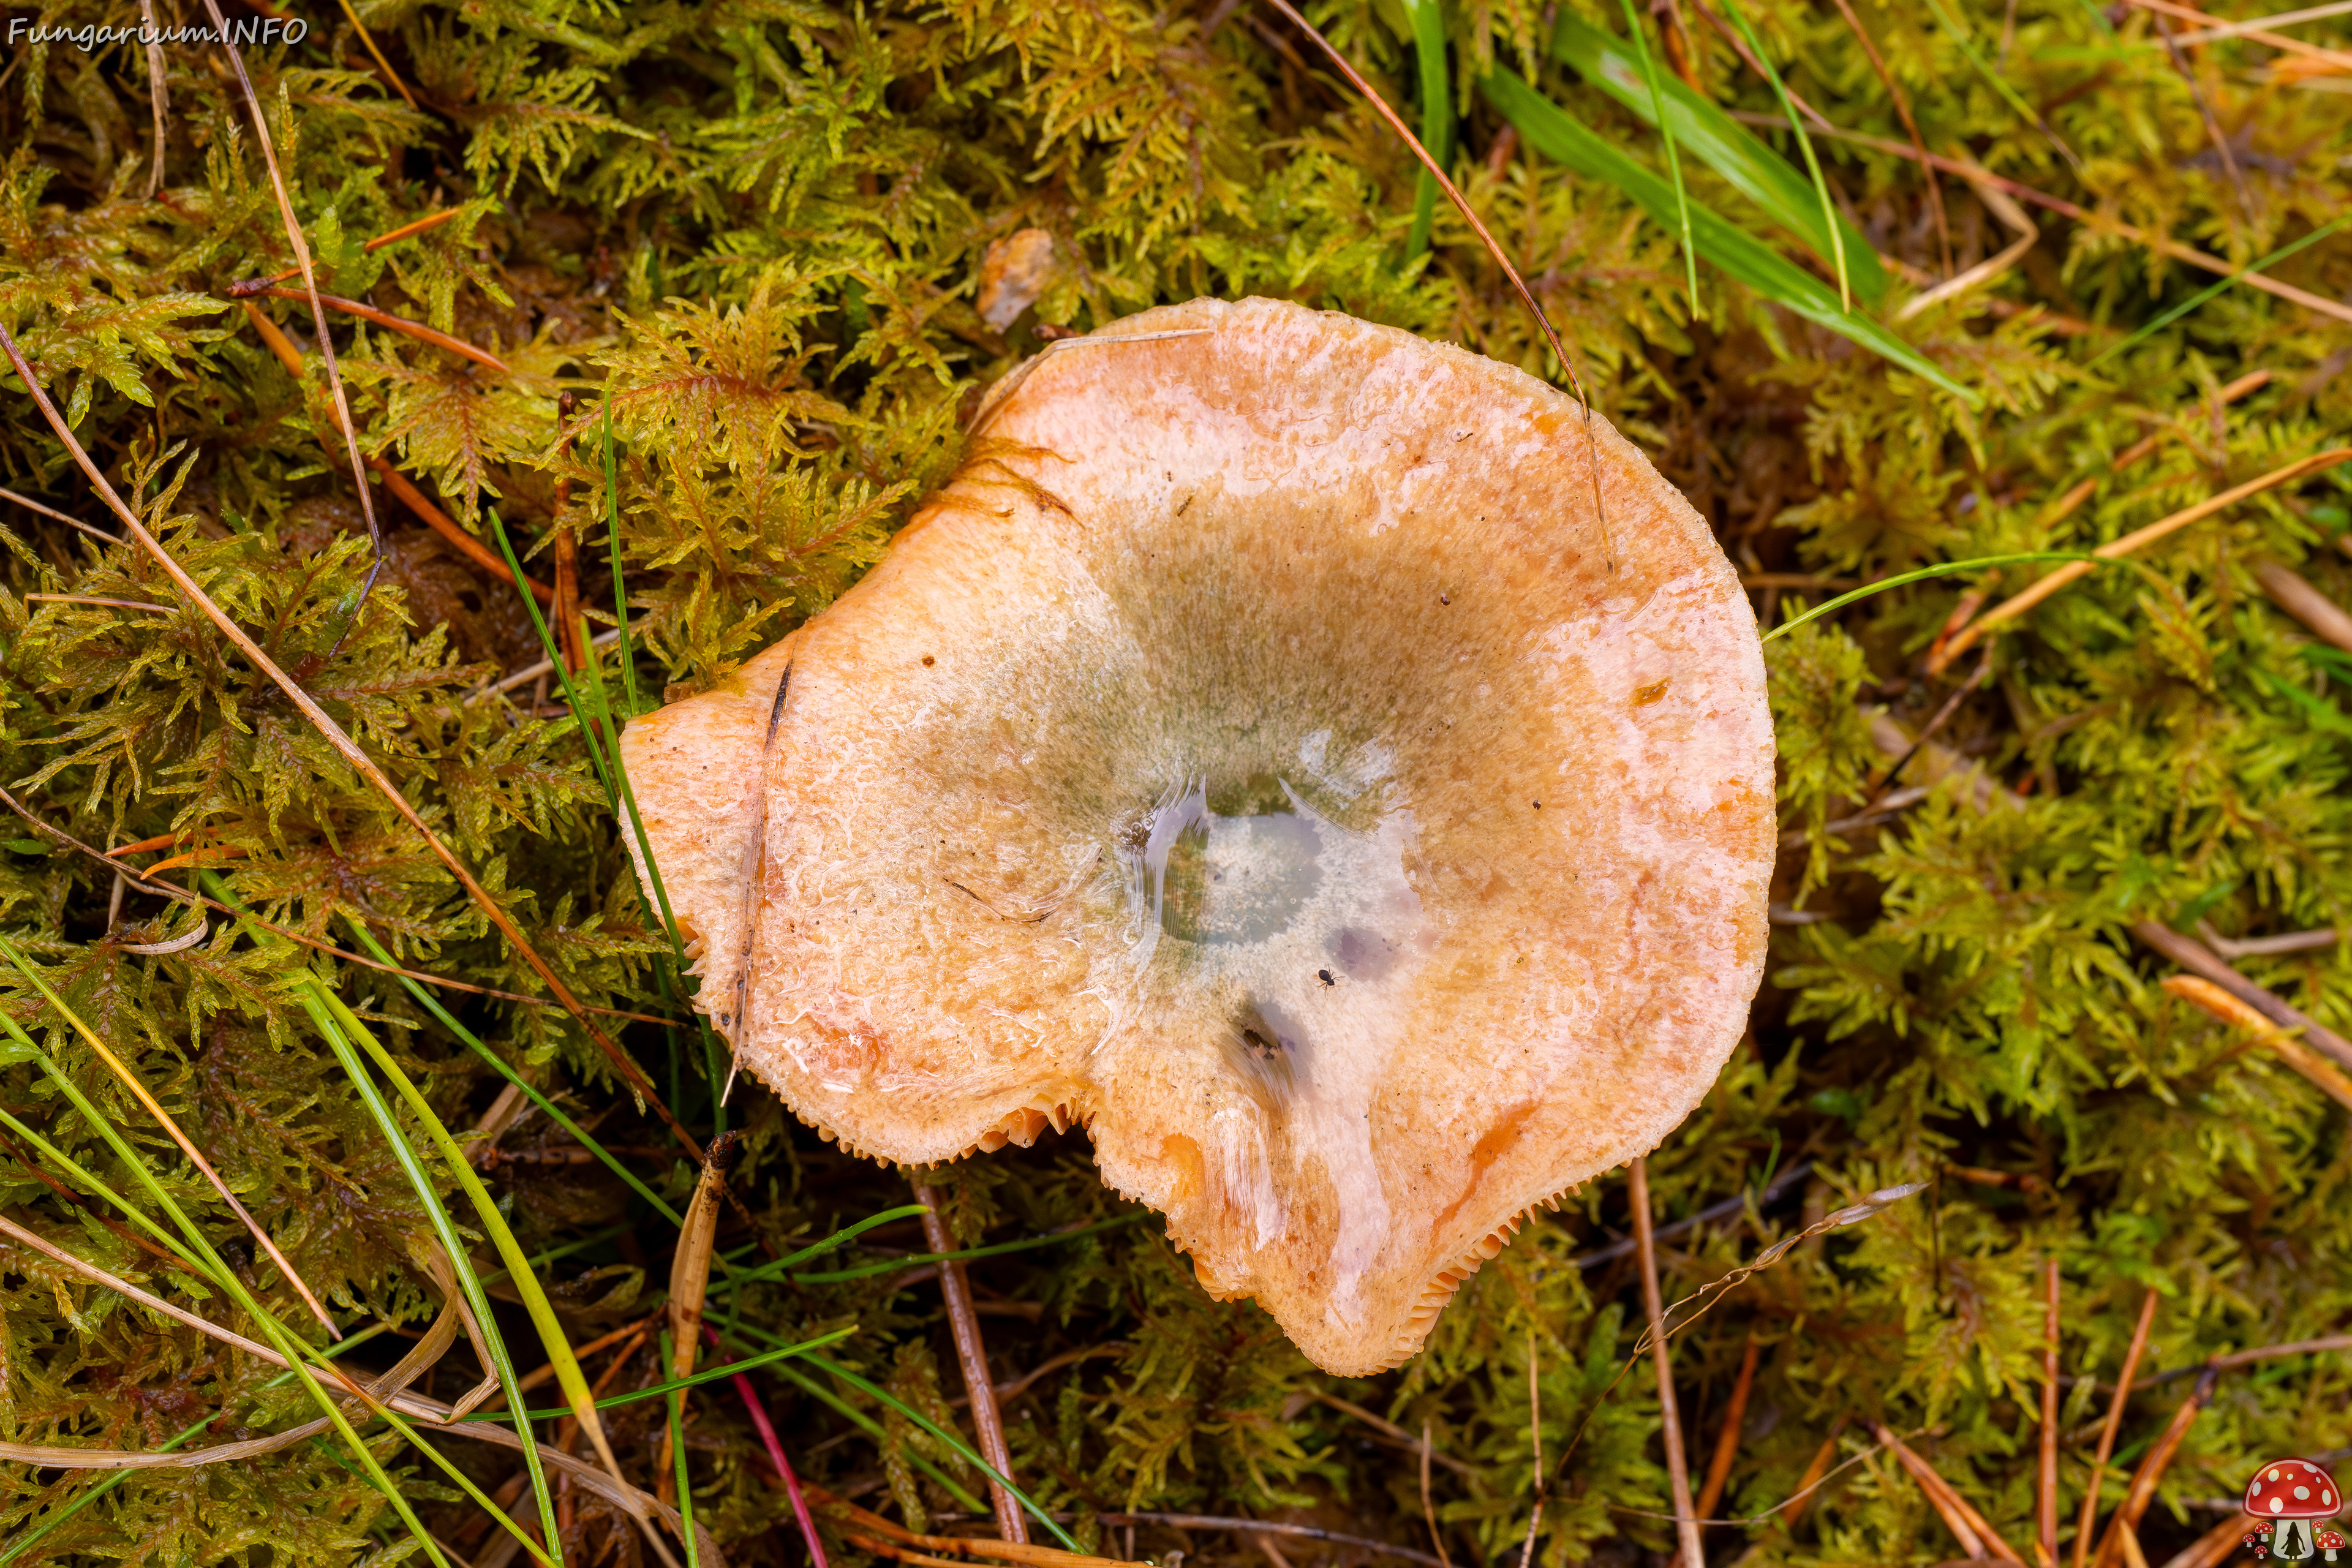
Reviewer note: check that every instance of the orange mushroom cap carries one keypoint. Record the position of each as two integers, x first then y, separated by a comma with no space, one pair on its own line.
1263,753
2292,1489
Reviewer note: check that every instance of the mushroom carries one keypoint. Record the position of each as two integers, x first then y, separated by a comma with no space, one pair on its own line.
2330,1542
2291,1493
1264,753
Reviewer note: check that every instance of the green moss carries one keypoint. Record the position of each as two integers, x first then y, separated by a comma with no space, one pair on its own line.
762,230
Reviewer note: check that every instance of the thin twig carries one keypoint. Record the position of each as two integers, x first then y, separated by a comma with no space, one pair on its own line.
964,1324
1970,1528
2115,1421
2295,594
1772,1191
2192,955
46,511
341,742
2268,946
1693,1554
1429,1509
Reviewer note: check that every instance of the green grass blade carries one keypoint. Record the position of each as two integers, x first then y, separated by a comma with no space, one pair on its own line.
2008,94
612,538
838,1238
1943,570
1436,114
871,1428
696,1380
1553,131
1727,147
312,994
432,1004
2208,292
1674,158
1804,144
280,1339
568,1376
867,1271
950,1438
580,713
676,1403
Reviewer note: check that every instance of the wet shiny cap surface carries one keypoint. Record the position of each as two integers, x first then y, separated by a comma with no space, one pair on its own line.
1264,754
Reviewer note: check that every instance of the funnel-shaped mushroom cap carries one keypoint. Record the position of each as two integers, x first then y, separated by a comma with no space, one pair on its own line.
1261,753
2292,1488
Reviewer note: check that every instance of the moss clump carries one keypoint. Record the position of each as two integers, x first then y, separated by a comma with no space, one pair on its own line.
765,231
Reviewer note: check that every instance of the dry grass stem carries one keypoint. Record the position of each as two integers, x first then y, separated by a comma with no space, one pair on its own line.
2049,583
2268,946
2253,27
1726,1442
1816,1472
1911,127
2214,1548
343,744
1693,1554
2322,1075
1970,1528
1428,1508
1389,1430
2012,218
1020,1552
103,603
971,1354
2084,1528
2193,956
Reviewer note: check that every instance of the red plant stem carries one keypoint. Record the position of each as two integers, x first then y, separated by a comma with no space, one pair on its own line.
2046,1513
965,1325
767,1431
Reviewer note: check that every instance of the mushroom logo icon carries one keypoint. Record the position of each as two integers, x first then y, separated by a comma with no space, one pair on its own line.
2288,1498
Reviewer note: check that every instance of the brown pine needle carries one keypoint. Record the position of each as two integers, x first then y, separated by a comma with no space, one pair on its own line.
2018,604
2322,1073
2295,594
1816,1472
2084,1530
2151,1470
1726,1442
382,65
433,517
971,1354
417,330
349,749
1693,1554
250,286
2194,956
104,603
1972,1529
2214,1548
2046,1502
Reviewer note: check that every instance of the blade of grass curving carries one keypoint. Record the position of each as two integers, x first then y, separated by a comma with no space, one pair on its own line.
875,1391
871,1428
1673,157
677,1445
1804,144
693,1380
1558,135
1724,145
1945,569
1436,114
26,1542
2008,94
2202,295
614,776
838,1238
214,1268
568,1376
613,541
918,1260
335,736
130,1080
432,1004
310,992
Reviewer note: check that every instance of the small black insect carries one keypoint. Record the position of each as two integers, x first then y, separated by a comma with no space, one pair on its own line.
1324,977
